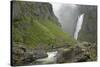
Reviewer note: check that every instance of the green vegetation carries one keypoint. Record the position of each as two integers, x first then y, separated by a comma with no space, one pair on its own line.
33,30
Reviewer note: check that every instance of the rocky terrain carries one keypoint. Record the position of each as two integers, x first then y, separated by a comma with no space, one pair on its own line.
82,52
89,28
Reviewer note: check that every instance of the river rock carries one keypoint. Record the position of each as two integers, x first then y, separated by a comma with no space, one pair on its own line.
64,55
39,54
75,54
25,56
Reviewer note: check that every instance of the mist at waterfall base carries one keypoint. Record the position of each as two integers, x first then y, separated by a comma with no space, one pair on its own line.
69,17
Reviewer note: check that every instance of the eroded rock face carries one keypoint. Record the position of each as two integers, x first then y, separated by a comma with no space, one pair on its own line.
31,9
88,30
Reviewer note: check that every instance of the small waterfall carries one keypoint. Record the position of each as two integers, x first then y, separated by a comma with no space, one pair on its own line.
78,26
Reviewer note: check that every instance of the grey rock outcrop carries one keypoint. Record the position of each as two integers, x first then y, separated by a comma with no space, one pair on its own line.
25,56
79,53
88,31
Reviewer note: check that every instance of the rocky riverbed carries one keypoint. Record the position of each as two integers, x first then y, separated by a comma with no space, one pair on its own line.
81,52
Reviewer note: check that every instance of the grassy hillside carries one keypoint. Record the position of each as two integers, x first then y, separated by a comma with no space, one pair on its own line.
37,26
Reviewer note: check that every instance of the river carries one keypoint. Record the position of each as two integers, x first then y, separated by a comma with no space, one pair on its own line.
50,59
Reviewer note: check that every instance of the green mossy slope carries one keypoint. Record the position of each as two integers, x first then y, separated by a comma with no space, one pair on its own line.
35,24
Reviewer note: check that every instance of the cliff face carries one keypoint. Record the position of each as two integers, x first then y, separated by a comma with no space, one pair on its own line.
34,23
30,9
89,28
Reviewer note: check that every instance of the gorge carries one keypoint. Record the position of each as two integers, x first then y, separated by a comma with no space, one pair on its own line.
47,33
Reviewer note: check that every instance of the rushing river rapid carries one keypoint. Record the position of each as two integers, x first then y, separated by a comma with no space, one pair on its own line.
50,59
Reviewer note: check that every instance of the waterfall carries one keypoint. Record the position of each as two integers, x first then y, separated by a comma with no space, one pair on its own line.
78,26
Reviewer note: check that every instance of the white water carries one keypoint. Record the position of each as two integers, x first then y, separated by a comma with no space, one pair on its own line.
78,26
50,59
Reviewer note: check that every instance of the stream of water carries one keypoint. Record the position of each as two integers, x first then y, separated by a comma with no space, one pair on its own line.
50,59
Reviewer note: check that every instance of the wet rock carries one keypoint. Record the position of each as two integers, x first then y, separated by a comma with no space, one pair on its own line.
82,58
64,55
37,54
85,52
25,56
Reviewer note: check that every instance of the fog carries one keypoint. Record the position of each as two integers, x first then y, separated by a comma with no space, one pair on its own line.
67,15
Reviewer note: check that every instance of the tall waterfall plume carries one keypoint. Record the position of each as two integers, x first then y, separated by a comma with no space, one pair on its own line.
78,26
